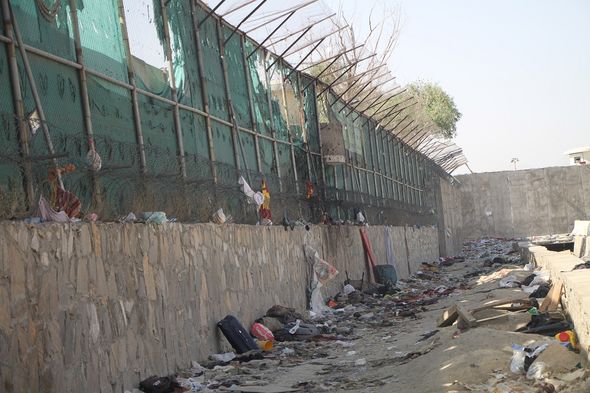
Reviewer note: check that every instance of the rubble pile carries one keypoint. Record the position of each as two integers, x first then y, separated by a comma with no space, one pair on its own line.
377,337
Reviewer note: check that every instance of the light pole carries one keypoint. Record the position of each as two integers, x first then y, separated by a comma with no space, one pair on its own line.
514,161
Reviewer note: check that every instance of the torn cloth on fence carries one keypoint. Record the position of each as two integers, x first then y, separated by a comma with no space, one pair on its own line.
48,214
253,197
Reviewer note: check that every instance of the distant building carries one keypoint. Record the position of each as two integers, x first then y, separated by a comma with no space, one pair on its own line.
579,155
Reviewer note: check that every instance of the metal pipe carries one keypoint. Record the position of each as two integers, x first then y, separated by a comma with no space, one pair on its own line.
289,12
396,105
346,90
289,47
273,131
418,135
35,93
394,127
362,74
403,138
250,101
402,130
86,113
302,120
19,107
235,132
365,97
355,62
203,85
317,115
363,88
336,56
82,74
272,33
317,77
315,40
174,93
380,103
300,30
210,12
134,99
304,58
239,7
290,137
244,20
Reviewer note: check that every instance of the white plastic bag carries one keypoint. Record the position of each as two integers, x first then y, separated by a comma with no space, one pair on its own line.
348,289
509,282
520,353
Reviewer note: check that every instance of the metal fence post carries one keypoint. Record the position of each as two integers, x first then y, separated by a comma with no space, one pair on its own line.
19,107
83,80
228,100
251,101
273,129
204,95
134,100
174,95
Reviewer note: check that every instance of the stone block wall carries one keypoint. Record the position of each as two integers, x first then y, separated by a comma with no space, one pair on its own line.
98,307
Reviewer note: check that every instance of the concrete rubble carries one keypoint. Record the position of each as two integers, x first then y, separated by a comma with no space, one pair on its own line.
398,337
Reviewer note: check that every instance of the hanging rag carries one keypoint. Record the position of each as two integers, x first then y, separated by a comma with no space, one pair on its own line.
264,211
48,214
253,197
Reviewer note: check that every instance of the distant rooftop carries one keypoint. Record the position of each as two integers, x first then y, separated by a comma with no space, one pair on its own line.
578,150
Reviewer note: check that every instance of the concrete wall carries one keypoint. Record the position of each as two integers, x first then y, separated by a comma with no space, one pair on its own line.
524,203
450,226
98,307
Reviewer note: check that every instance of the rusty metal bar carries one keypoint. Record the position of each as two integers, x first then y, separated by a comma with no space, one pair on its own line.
174,92
203,85
210,12
244,20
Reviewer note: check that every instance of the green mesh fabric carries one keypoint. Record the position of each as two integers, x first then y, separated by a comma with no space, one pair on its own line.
12,196
285,108
293,103
223,143
102,39
51,33
267,156
196,150
247,152
279,109
213,69
310,115
159,136
184,53
285,162
237,78
259,85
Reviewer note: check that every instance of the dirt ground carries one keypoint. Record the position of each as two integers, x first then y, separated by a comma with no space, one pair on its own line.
382,349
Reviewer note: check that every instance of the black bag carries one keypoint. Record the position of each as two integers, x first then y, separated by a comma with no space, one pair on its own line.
156,384
236,334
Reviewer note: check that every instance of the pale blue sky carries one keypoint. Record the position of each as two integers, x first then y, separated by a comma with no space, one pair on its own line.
517,69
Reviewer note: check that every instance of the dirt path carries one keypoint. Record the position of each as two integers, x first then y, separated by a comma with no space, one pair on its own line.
393,344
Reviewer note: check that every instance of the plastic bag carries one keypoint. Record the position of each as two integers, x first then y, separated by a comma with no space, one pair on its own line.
155,217
348,289
536,370
509,282
523,357
261,332
324,271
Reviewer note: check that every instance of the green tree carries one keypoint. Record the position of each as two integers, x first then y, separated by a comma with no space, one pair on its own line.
437,106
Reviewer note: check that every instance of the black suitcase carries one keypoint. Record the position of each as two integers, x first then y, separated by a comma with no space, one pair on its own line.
238,337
